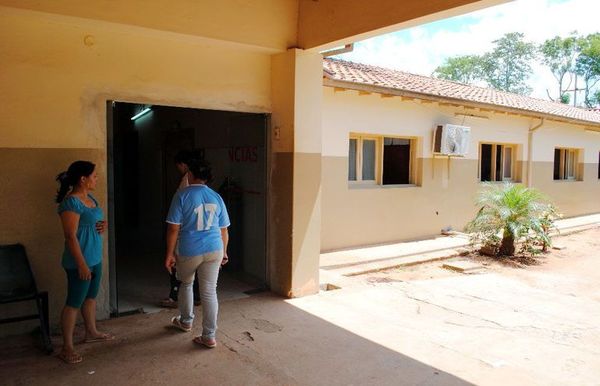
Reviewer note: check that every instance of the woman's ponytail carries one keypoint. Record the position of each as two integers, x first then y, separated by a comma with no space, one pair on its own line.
65,186
71,177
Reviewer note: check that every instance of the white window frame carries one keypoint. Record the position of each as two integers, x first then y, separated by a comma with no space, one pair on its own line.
379,149
505,147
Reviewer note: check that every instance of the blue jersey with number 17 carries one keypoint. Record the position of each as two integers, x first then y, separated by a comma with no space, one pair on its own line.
201,213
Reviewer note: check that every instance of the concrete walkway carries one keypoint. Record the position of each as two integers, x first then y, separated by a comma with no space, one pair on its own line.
359,261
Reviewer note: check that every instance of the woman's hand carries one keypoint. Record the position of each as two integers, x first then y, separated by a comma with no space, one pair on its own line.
84,272
101,226
170,263
225,259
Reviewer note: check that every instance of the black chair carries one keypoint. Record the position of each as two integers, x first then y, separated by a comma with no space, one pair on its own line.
17,284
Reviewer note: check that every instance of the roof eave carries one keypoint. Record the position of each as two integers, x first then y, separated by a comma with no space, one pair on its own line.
331,82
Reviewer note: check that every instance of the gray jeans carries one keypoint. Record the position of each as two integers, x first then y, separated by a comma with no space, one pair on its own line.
207,266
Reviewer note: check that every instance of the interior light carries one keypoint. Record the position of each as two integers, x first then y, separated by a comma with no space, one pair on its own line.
142,113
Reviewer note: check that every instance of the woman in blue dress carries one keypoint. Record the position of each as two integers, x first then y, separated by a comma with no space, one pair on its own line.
83,225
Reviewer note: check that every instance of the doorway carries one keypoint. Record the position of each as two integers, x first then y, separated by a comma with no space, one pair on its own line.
142,143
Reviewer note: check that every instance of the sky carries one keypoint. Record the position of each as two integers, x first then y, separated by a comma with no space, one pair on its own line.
421,49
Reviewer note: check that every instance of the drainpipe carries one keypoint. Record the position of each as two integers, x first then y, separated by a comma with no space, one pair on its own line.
529,151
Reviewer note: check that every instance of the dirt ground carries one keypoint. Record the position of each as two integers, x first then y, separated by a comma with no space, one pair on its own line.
570,252
507,324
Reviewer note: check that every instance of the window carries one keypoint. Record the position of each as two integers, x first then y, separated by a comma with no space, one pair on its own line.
565,164
380,160
496,162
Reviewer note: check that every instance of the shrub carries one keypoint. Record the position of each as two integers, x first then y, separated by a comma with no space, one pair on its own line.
509,213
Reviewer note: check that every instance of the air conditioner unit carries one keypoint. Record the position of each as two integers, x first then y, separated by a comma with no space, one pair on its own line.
451,140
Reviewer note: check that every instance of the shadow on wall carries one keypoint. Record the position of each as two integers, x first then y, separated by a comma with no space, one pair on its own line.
263,340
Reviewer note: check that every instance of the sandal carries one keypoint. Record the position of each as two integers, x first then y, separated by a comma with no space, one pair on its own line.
206,342
70,358
176,322
168,303
105,337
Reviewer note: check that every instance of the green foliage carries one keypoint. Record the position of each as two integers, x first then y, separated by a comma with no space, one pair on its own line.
559,54
509,213
508,66
588,65
464,69
595,99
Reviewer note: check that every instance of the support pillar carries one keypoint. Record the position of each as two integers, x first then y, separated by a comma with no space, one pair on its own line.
295,180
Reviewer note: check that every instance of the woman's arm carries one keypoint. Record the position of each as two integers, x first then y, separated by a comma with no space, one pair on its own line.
172,233
225,237
70,223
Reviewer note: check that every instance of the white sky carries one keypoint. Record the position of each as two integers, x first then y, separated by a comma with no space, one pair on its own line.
421,49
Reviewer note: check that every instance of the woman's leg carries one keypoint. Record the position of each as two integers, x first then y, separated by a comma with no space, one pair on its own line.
88,310
186,269
67,323
208,274
76,291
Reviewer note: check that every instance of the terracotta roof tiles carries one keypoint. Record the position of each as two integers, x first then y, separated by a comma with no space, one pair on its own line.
358,73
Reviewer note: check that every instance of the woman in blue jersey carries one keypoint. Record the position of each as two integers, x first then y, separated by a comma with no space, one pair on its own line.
198,219
83,225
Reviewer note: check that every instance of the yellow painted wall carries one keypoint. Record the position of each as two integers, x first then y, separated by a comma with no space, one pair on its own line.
356,215
327,23
56,74
295,212
265,23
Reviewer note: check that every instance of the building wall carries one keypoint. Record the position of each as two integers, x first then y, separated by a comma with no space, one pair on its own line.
56,75
446,188
573,198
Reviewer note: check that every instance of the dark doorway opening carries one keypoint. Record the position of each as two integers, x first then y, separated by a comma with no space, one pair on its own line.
142,143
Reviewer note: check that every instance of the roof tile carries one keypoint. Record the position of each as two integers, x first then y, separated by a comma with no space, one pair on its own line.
342,70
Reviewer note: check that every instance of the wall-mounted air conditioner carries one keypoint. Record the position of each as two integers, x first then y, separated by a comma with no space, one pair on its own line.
451,140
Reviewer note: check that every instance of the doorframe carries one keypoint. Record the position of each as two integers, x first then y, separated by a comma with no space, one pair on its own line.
110,165
113,292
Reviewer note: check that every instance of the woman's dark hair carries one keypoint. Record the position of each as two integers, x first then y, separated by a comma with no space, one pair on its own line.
71,177
200,169
182,157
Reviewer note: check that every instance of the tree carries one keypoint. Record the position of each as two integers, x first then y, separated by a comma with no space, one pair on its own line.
588,66
508,66
464,69
508,213
560,54
595,99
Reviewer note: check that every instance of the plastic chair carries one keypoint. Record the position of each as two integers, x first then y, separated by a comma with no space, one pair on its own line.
17,284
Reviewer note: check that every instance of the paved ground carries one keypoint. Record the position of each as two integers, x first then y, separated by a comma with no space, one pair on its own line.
533,325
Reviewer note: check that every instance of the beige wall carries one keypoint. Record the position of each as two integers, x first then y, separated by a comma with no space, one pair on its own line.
446,190
57,74
295,213
266,23
572,197
327,23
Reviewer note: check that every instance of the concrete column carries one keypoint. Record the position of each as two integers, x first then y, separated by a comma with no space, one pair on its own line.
295,180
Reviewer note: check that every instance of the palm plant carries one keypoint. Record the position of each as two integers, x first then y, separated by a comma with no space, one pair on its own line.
508,213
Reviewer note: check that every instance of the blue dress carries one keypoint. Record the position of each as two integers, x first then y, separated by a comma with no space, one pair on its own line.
89,239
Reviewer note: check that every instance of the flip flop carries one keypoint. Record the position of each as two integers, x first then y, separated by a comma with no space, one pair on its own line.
200,341
71,358
103,338
176,322
168,303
